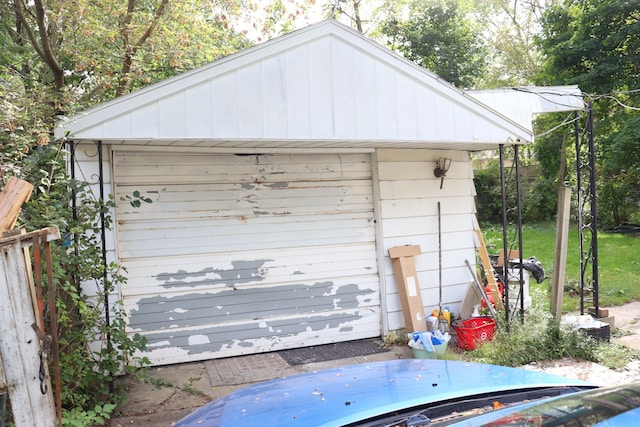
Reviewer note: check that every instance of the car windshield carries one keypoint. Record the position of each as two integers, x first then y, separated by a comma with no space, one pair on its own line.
448,412
582,410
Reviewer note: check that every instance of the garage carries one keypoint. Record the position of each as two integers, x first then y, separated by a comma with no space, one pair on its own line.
248,253
278,178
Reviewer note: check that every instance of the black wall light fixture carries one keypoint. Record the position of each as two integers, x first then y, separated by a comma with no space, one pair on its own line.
442,167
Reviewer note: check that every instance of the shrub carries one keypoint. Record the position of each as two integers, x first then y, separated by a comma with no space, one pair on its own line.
538,337
86,375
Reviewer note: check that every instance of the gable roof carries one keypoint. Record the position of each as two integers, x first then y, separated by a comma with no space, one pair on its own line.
325,85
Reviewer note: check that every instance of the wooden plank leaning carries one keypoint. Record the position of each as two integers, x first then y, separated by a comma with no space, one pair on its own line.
488,268
13,195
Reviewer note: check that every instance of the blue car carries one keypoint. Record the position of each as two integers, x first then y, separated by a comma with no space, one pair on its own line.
407,393
617,406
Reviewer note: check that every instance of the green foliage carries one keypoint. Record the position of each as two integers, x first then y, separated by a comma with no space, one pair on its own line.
618,261
538,195
618,198
594,44
488,193
442,37
540,200
397,337
136,199
86,375
510,28
539,337
96,416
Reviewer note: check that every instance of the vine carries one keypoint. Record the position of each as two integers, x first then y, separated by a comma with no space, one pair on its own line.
92,350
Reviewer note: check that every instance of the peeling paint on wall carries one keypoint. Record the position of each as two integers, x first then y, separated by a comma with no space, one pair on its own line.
209,322
241,272
213,339
194,310
248,253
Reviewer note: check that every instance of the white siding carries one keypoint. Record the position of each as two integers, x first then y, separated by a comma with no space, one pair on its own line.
240,254
409,196
325,83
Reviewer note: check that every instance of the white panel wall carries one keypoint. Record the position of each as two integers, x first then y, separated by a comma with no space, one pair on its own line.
409,194
319,89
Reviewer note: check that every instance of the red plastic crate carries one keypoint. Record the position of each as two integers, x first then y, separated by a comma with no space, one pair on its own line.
474,331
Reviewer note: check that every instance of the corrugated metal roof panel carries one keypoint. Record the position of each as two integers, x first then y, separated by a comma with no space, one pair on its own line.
521,103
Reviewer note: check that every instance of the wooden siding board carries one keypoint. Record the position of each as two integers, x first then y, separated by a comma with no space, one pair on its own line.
144,121
406,208
172,118
274,103
201,276
196,271
298,86
426,225
199,110
251,101
241,304
406,105
194,242
233,200
365,97
231,340
406,170
321,91
413,155
345,109
174,169
409,195
225,106
386,114
314,264
428,188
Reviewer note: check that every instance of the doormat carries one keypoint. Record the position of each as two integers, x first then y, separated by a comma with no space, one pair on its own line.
335,351
245,369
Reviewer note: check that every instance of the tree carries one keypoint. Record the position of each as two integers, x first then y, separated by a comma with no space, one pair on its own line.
442,37
595,45
58,57
348,8
510,27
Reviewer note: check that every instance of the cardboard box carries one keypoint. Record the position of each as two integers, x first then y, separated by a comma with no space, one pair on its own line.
404,268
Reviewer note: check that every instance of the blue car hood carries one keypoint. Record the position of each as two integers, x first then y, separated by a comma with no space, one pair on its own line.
334,397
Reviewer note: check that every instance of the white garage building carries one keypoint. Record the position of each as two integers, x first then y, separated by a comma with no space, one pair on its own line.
279,178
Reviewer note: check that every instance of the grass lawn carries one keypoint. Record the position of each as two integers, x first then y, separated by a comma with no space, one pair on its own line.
618,261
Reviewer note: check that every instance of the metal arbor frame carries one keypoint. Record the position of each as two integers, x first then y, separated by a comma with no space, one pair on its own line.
99,181
587,219
587,215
